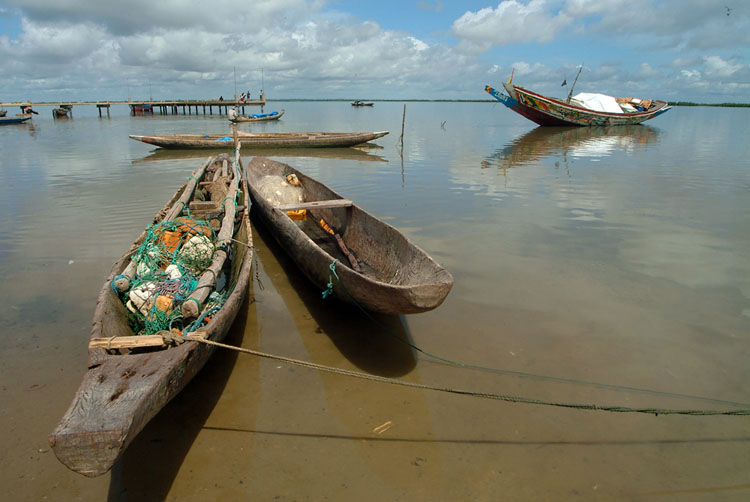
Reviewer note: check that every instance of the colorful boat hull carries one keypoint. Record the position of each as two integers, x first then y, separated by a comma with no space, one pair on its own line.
548,111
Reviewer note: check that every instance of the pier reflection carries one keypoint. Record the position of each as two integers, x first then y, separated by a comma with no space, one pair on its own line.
566,142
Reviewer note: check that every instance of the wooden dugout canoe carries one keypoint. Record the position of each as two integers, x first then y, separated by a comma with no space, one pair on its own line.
395,277
258,117
262,140
121,392
549,111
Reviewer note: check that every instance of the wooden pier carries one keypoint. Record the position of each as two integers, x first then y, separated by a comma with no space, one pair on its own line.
163,107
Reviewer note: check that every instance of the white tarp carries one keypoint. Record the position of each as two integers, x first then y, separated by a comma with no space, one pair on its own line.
598,102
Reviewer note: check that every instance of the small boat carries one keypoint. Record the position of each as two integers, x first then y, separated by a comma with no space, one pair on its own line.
342,248
583,109
17,119
60,112
3,113
361,103
136,108
262,140
257,117
180,276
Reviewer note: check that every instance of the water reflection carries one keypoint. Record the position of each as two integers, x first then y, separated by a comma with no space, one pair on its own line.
352,153
375,345
592,142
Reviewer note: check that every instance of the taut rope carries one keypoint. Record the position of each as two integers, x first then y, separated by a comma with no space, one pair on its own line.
168,336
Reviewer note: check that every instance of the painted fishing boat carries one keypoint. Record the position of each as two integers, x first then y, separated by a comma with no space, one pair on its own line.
342,248
262,140
257,117
180,276
17,119
361,103
583,109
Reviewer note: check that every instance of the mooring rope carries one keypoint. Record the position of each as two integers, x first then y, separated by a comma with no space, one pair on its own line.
460,364
168,336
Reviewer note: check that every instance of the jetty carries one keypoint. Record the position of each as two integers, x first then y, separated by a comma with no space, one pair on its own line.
161,106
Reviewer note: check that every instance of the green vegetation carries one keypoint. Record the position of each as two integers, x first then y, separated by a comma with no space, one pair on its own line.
688,103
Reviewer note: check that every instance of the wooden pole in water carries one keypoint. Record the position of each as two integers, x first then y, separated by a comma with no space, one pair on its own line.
403,120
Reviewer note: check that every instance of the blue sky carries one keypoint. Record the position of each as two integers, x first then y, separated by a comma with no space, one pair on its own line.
694,50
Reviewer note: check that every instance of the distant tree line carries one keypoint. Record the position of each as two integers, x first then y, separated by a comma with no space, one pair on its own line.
688,103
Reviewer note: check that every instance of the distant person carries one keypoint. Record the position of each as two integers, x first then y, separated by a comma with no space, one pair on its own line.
221,98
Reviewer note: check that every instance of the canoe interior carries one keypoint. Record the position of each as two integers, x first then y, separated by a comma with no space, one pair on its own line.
395,275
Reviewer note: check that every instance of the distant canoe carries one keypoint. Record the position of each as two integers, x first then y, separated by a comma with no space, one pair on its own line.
584,109
376,267
258,117
18,119
262,140
361,103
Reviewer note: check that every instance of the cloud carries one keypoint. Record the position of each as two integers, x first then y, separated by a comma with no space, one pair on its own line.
139,16
687,24
61,48
716,66
511,22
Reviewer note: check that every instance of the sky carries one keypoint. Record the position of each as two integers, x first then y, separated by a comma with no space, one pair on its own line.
676,50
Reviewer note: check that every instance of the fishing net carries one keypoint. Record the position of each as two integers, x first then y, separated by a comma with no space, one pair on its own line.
169,262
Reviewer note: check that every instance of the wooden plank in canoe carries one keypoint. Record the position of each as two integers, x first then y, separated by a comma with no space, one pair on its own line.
316,204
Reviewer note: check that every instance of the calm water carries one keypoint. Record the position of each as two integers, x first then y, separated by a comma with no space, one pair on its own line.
589,264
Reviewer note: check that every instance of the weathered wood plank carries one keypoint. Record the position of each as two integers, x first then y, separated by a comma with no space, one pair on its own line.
317,204
127,342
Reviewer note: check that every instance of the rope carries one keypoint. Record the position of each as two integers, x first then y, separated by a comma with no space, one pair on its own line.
331,274
515,372
485,395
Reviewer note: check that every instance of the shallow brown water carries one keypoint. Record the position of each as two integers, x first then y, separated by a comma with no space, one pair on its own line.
591,266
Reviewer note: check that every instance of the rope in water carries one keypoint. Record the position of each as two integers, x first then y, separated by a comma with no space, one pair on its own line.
485,395
460,364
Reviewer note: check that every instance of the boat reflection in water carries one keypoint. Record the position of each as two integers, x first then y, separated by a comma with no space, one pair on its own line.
359,153
568,142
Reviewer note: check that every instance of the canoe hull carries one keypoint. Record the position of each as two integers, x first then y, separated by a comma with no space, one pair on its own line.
548,111
418,282
18,119
119,394
261,140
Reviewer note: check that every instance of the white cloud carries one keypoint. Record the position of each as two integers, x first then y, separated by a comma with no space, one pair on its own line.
308,51
716,66
511,22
